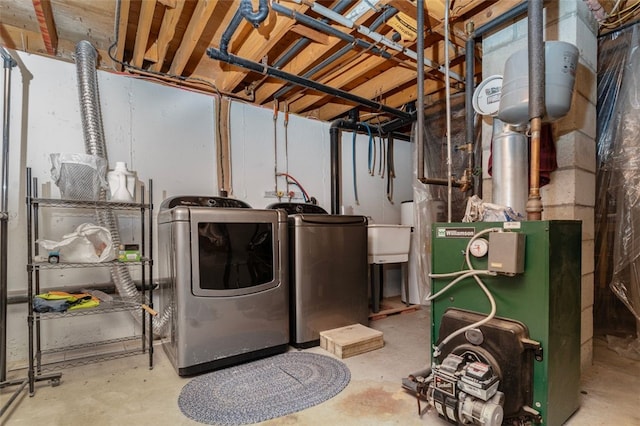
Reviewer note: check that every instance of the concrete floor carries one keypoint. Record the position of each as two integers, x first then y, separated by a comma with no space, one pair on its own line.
125,391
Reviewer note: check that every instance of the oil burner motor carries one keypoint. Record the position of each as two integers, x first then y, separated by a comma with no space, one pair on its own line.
464,390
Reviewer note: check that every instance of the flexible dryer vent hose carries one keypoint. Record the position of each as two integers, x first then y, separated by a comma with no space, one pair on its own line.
86,56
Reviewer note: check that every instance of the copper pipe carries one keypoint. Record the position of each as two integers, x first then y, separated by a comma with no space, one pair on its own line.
534,204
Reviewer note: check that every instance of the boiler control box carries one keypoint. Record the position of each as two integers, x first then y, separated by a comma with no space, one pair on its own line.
506,252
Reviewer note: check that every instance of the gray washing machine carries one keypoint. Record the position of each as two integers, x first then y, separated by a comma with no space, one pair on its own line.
224,270
327,271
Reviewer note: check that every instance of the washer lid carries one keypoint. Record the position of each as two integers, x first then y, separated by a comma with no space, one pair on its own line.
486,97
203,201
297,208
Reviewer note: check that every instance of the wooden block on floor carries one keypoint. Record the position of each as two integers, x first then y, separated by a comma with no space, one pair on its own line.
351,340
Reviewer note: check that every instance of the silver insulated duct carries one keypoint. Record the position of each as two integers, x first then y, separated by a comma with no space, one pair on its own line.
510,155
86,56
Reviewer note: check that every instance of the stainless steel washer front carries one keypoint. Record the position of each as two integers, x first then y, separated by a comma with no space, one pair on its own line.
328,274
224,270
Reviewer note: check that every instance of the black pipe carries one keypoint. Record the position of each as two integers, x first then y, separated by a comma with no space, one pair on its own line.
336,158
441,182
536,60
254,18
510,15
336,164
301,81
420,94
475,36
322,26
470,59
245,10
384,17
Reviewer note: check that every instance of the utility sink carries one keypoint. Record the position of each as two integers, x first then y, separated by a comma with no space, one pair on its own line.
388,243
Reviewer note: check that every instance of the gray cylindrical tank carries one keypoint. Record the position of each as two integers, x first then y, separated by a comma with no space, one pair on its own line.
510,170
561,60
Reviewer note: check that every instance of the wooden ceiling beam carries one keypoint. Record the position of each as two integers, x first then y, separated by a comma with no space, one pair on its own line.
47,24
299,67
197,24
123,22
491,12
147,8
434,11
258,44
432,88
345,77
22,39
167,31
310,33
375,88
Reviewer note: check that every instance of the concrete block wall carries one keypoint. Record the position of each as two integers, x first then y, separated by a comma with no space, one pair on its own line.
572,190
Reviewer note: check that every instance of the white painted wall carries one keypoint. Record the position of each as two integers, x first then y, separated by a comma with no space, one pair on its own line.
165,134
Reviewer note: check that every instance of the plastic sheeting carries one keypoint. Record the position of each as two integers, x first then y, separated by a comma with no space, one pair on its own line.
618,180
430,201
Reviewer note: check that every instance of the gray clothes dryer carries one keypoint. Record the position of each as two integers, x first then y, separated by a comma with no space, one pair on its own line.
223,275
327,271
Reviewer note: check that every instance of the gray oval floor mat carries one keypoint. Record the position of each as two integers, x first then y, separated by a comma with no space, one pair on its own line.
264,389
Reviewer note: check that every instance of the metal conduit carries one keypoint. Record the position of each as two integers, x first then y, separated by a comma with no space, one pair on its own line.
214,53
322,26
8,64
379,38
386,14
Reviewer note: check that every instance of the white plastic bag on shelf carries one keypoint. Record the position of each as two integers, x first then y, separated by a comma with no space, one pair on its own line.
79,176
89,243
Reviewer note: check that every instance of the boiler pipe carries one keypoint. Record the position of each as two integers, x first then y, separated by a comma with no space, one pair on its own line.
469,61
536,103
303,82
420,95
500,20
474,36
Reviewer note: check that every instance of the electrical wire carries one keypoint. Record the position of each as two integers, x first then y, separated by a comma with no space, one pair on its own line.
619,18
162,77
461,275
